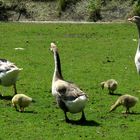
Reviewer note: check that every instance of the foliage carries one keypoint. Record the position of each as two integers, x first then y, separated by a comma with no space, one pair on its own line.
61,6
94,10
136,8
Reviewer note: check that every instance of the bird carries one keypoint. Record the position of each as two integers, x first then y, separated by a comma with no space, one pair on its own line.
22,101
110,84
127,101
8,74
136,20
69,97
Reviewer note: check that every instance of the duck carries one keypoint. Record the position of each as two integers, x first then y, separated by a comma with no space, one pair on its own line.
69,97
136,20
8,74
127,101
110,84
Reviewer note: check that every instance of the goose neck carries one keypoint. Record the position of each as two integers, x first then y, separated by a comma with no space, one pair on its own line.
138,26
57,70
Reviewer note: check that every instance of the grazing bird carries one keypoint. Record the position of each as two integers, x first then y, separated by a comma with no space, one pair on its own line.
68,96
22,101
126,100
8,74
136,19
110,84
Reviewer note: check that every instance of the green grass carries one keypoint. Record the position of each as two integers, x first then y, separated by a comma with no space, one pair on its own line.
84,51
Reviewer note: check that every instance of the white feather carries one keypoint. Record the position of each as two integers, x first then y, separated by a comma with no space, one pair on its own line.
8,73
76,105
137,60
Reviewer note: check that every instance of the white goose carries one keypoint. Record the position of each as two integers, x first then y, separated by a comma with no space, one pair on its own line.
136,19
8,74
68,96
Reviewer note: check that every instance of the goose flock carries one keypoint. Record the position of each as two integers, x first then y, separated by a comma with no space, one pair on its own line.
69,97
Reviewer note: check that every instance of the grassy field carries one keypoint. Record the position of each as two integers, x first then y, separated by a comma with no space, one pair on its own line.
90,54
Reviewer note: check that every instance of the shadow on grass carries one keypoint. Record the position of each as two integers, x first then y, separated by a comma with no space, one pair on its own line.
6,97
32,112
130,113
133,113
85,123
115,94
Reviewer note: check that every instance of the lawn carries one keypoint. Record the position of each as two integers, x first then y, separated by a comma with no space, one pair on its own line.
90,54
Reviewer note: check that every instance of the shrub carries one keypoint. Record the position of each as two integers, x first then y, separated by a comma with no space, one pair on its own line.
136,8
94,10
61,6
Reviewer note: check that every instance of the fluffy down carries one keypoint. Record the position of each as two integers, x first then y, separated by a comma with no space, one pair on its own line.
127,101
110,84
22,101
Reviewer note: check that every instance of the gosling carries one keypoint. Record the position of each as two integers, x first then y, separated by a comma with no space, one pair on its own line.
127,101
110,84
22,101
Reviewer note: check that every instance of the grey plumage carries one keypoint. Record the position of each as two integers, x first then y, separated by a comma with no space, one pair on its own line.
68,96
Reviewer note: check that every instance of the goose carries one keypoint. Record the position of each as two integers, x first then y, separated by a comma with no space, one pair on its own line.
8,74
68,96
22,101
126,100
136,19
110,84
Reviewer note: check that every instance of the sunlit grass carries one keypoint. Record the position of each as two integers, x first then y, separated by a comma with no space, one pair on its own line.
90,53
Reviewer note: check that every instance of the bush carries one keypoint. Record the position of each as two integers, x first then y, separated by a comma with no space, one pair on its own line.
94,10
61,6
136,8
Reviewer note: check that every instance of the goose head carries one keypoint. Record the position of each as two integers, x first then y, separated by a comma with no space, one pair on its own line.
135,19
53,47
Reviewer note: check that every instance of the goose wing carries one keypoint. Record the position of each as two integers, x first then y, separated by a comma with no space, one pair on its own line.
69,91
6,65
